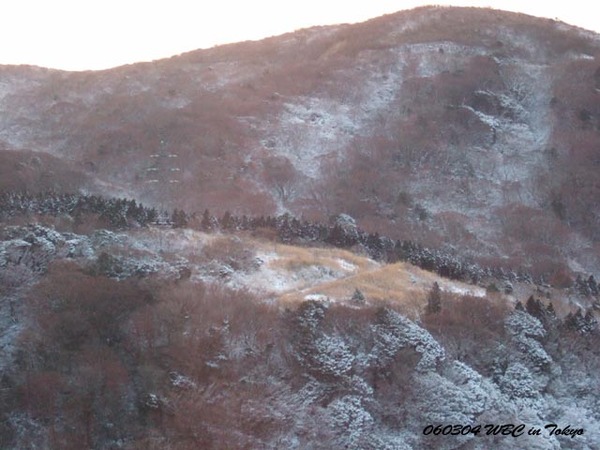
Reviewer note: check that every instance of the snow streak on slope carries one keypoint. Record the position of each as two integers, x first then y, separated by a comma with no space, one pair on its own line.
313,129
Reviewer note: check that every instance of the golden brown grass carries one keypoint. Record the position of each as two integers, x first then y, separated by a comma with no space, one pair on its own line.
292,258
402,284
379,284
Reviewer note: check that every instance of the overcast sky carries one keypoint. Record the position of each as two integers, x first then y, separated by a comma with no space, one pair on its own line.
92,34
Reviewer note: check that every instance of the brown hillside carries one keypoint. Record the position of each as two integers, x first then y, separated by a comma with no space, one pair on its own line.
468,128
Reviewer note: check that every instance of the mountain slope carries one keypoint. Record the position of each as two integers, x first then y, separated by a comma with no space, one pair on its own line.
470,129
172,338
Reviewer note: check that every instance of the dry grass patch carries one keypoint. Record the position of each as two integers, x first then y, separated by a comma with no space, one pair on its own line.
391,283
292,258
401,284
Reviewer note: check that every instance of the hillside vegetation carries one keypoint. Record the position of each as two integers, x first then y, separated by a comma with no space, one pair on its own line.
159,337
374,236
461,128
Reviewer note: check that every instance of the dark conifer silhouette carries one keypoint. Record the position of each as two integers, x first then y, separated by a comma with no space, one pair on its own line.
434,300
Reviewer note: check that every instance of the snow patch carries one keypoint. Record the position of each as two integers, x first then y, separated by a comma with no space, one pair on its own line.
437,57
347,266
316,297
455,288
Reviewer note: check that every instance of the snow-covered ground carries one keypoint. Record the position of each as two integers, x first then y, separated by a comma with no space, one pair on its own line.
278,274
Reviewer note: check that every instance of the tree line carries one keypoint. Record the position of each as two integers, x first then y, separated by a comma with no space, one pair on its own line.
117,213
123,213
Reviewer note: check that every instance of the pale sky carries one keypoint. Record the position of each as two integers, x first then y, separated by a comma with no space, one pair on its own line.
93,34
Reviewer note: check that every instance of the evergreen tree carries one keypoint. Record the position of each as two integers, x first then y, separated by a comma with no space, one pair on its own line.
207,222
575,322
374,245
336,236
179,218
590,324
550,311
358,297
593,286
519,306
434,300
227,221
582,286
151,215
535,308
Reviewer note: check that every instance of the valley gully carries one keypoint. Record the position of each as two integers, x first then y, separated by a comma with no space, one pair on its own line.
508,429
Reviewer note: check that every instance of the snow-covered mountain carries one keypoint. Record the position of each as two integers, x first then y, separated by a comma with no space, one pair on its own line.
467,128
175,338
442,168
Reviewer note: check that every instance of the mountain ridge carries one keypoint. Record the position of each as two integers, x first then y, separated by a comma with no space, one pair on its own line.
430,123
